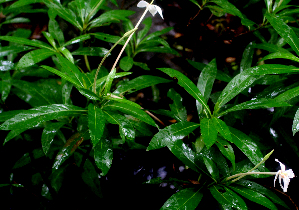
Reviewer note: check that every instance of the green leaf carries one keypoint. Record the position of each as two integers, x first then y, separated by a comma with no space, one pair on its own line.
248,147
6,65
206,81
77,40
188,85
50,39
48,135
5,85
91,178
139,83
184,199
126,130
227,150
109,81
16,20
103,155
55,31
237,201
91,51
259,188
113,97
239,83
34,57
89,94
212,168
295,126
270,48
158,33
225,199
35,116
208,131
126,63
131,110
288,95
20,40
7,50
26,159
68,149
283,55
171,134
157,49
147,25
254,196
142,65
247,57
222,128
66,54
96,124
177,107
108,38
284,31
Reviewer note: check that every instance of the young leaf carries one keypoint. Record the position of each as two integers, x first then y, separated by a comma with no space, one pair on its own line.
103,155
222,128
55,31
185,199
171,133
126,63
189,86
247,57
109,81
208,131
131,110
96,124
254,196
48,135
284,31
34,57
206,81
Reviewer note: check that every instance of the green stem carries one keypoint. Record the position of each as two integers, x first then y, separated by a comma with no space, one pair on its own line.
86,62
240,175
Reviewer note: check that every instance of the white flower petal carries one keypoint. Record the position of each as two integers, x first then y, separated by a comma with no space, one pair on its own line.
152,10
159,11
142,4
284,175
283,168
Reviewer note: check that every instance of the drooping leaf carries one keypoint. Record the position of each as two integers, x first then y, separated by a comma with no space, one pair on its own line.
96,123
227,150
91,178
7,50
171,134
225,199
177,107
103,155
26,159
48,135
185,199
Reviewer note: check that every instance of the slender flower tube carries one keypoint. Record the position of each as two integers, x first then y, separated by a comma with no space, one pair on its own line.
285,175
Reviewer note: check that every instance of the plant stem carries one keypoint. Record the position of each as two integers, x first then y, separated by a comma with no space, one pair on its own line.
240,175
86,62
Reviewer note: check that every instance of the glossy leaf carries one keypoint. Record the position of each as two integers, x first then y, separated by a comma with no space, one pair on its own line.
237,201
96,123
295,126
77,40
248,147
50,39
142,65
283,55
109,81
208,131
48,135
211,167
26,159
67,150
284,31
126,130
171,134
126,63
188,85
271,47
239,83
113,97
131,110
7,50
205,82
108,38
5,85
256,104
147,25
139,83
6,65
8,114
254,196
184,199
227,150
91,51
288,95
158,33
66,53
89,94
247,57
259,188
222,128
24,41
34,57
55,31
35,116
91,177
177,107
103,155
157,49
225,199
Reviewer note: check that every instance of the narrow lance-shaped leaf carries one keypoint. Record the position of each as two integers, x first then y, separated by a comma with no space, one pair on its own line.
96,123
283,55
224,199
285,31
247,57
185,199
34,57
20,40
189,86
177,107
208,131
171,133
103,155
227,150
48,135
222,128
295,126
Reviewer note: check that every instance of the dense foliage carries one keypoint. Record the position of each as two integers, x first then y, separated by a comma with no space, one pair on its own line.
67,120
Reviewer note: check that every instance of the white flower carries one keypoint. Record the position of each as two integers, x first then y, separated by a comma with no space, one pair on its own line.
285,175
152,8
